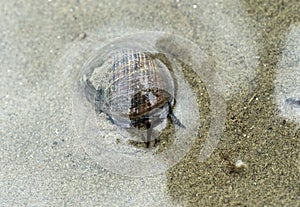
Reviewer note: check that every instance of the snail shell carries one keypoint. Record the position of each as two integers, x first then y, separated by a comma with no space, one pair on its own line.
138,81
139,92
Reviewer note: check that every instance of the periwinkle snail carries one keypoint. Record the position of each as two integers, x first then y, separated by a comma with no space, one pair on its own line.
132,91
139,92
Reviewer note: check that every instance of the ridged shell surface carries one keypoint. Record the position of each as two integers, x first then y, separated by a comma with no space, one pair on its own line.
138,83
132,79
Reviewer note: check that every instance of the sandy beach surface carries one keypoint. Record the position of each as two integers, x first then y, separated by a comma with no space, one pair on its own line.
255,127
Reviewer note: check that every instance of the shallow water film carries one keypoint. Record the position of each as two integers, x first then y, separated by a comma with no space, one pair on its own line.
143,103
115,139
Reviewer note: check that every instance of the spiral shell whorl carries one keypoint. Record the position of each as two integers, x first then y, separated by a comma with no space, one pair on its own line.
139,91
132,72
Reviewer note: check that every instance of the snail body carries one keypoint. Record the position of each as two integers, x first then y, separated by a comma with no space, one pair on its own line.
139,91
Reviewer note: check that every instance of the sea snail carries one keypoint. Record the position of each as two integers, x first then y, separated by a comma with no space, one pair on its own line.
139,91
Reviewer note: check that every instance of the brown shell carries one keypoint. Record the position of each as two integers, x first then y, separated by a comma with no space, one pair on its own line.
140,89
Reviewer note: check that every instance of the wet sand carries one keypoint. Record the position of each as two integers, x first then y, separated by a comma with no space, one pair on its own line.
42,161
